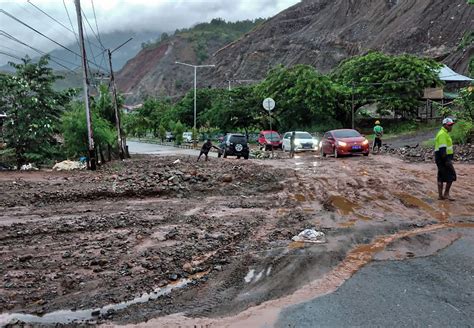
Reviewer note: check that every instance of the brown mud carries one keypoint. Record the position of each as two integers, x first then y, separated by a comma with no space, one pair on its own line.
85,240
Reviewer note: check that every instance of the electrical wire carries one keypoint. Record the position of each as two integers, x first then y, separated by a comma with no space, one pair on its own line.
43,35
9,55
96,25
90,26
72,25
52,58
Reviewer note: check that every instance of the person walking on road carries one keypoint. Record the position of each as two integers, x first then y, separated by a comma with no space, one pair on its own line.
292,144
444,153
206,147
378,132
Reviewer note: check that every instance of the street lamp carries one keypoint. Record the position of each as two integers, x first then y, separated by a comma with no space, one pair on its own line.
195,73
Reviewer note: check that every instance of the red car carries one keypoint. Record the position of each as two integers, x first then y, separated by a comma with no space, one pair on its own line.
268,139
344,142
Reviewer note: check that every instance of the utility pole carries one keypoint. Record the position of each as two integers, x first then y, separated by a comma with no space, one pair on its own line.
90,132
352,107
195,84
117,115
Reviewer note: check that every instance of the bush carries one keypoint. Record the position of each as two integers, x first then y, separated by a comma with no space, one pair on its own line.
462,131
178,132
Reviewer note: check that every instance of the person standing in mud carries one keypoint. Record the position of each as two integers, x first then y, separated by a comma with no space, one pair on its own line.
378,132
206,147
292,144
444,154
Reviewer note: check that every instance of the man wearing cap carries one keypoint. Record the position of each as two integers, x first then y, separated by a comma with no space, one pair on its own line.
378,131
444,159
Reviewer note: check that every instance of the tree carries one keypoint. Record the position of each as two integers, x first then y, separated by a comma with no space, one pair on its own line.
303,96
239,108
396,83
33,108
162,132
178,130
74,129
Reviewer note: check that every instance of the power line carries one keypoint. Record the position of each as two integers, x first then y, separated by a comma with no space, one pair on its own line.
55,20
72,26
9,55
10,37
90,26
42,34
96,25
11,49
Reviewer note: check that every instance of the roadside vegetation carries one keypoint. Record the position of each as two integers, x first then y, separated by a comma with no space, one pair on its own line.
45,125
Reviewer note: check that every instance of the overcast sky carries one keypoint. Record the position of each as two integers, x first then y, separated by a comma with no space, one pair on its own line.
134,15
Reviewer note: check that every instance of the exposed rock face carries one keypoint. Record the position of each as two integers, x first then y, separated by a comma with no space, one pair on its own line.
324,32
320,33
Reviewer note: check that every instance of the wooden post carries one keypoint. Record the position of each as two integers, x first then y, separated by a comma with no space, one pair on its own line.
90,132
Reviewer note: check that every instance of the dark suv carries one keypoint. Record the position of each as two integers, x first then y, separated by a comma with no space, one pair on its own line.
234,145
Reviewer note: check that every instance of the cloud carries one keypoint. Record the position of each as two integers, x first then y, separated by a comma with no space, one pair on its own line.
120,15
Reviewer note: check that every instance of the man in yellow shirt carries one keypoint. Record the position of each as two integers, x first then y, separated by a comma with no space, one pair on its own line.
444,159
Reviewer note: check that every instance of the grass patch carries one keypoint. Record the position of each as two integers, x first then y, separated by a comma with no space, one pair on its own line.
404,129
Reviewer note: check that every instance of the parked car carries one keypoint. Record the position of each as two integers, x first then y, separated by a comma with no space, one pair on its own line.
187,136
169,137
303,141
234,145
269,139
344,142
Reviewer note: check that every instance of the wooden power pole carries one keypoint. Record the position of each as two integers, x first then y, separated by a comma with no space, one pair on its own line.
117,114
90,132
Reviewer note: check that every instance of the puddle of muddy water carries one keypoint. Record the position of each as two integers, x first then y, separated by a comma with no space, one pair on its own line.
300,197
69,316
342,204
412,201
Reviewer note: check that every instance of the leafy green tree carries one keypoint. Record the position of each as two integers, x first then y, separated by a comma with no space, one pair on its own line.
184,109
33,108
303,96
162,132
239,108
74,129
396,83
178,130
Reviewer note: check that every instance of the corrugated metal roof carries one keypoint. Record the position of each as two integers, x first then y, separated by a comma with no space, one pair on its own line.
447,74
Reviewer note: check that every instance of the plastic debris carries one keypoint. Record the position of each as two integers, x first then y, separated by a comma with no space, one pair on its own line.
28,167
310,236
69,166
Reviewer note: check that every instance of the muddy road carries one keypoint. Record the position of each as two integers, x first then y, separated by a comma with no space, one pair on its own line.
177,242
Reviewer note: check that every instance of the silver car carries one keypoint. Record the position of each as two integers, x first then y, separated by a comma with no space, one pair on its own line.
303,141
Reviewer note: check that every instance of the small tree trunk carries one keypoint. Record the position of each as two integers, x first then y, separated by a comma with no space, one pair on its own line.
109,154
102,158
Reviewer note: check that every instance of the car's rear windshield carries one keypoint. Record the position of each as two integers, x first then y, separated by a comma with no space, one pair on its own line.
346,134
272,136
303,135
238,139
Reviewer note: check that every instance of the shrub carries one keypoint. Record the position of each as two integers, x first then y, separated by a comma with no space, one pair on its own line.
462,131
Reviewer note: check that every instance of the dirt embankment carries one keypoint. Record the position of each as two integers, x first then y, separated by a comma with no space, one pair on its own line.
220,229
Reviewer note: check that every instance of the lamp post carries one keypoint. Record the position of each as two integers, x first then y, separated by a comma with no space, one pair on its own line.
195,81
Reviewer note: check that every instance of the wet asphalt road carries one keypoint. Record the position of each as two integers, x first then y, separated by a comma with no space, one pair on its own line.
435,291
154,149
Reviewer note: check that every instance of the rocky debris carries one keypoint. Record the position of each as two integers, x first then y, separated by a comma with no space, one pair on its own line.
262,154
69,166
462,153
156,177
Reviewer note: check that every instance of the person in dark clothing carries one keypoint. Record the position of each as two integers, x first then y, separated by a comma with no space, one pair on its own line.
206,147
292,144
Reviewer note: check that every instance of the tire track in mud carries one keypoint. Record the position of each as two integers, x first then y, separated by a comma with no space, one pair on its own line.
266,313
325,196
